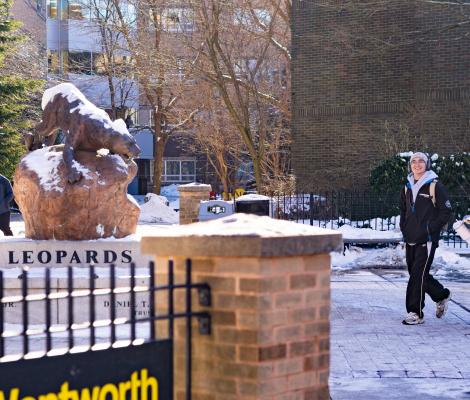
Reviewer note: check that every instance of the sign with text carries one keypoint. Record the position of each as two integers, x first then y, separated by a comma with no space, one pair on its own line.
17,252
142,372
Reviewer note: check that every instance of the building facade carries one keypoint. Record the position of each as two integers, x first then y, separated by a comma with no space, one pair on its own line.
369,81
69,34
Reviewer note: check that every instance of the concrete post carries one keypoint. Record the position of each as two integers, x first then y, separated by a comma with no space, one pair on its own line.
190,197
270,283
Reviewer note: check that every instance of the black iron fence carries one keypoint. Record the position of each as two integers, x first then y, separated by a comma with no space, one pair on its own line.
58,329
357,209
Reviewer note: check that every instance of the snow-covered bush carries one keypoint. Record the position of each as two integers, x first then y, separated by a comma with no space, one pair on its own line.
453,170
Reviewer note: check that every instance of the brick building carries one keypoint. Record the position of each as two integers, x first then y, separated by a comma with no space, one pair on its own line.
369,82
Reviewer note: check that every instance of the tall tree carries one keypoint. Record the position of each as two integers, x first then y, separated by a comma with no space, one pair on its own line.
15,95
153,44
245,55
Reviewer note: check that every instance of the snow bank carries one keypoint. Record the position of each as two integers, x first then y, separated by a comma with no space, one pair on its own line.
350,232
156,211
356,257
446,262
240,224
252,197
172,194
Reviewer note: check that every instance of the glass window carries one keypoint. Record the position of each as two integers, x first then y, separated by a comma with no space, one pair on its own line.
99,63
52,9
64,58
172,167
177,20
53,66
187,168
78,9
79,62
245,18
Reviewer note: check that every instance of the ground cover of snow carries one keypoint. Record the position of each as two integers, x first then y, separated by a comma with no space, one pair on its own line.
156,210
172,194
447,263
350,232
240,224
252,197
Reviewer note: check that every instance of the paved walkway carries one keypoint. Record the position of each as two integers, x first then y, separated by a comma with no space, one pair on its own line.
374,356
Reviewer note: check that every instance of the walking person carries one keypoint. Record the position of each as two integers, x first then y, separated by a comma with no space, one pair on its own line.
425,209
6,195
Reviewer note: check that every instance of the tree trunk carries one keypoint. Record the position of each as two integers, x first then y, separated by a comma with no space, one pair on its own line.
226,186
258,173
159,149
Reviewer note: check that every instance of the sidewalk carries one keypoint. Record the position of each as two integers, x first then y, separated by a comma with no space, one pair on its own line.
374,356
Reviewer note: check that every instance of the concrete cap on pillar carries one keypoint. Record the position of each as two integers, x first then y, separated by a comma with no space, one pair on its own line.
195,187
242,235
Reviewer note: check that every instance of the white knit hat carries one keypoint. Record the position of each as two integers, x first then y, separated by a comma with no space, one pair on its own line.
419,155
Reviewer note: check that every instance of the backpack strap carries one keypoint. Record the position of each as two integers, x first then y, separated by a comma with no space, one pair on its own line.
432,191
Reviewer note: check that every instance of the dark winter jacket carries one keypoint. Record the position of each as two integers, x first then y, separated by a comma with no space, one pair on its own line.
420,220
6,194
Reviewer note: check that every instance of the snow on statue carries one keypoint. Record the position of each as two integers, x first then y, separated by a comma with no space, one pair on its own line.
73,191
86,127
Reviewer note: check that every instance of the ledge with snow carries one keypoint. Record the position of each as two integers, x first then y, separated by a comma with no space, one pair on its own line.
242,235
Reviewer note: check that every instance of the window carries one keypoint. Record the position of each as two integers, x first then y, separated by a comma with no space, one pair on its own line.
246,18
245,67
39,6
80,62
78,9
188,170
57,62
179,170
180,65
52,9
99,64
53,66
175,19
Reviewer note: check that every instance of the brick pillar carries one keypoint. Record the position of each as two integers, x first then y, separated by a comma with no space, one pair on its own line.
270,283
190,197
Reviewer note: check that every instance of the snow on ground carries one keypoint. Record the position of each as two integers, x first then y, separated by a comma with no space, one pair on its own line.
172,194
156,211
350,232
446,262
356,257
251,197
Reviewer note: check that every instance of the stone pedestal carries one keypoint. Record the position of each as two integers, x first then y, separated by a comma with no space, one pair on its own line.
97,206
270,284
190,197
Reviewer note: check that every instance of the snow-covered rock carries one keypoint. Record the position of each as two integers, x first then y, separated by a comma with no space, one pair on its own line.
95,207
157,211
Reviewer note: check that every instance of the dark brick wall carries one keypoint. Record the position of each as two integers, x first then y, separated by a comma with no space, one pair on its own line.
368,81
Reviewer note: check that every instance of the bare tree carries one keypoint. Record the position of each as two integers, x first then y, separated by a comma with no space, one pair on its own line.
156,55
215,135
244,49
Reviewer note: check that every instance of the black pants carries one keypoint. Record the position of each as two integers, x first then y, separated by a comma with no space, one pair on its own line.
419,259
5,224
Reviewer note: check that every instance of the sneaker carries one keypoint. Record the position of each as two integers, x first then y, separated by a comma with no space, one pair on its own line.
412,319
441,306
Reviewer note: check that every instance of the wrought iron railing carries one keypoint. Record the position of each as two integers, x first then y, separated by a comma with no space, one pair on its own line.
357,209
47,330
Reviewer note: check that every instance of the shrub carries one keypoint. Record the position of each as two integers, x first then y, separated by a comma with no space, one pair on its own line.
453,171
